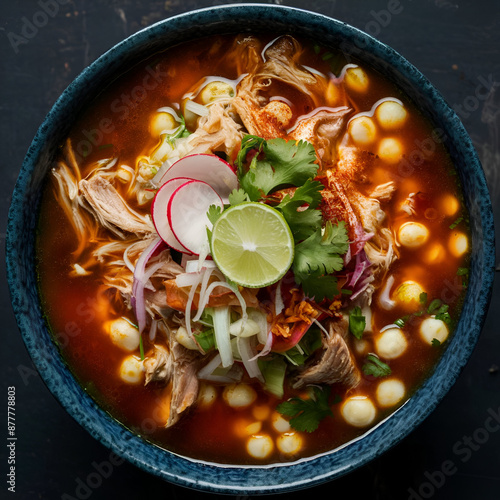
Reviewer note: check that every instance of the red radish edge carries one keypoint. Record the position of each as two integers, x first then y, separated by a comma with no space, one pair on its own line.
187,216
159,213
211,169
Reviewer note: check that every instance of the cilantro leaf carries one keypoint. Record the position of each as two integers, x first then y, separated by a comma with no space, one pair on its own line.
357,322
434,305
213,213
273,370
439,310
317,257
238,196
320,254
436,342
277,163
435,308
303,220
304,223
205,339
319,287
445,317
336,237
309,193
307,414
374,366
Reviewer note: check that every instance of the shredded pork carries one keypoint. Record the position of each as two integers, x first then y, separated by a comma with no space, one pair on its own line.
333,363
111,210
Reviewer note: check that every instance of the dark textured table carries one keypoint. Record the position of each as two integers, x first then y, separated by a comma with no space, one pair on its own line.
455,453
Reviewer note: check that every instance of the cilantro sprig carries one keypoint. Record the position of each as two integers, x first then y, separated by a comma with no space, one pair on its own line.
317,258
275,163
435,308
300,209
213,213
376,367
306,414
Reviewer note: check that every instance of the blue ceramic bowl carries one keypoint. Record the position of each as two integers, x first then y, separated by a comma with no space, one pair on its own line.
23,279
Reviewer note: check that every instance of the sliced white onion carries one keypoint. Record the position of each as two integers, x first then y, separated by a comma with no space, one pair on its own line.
240,328
191,266
183,280
204,252
320,326
149,272
204,300
385,300
388,327
189,303
221,317
161,171
207,273
261,319
367,313
248,352
267,347
195,108
138,302
209,367
314,71
107,162
185,259
234,374
168,109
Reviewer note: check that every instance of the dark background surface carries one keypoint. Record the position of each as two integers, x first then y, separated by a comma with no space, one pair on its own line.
456,44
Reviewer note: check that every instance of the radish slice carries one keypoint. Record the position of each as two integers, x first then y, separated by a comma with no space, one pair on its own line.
187,214
159,212
207,168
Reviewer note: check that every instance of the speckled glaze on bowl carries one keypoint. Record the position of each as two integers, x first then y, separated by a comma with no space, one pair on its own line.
23,221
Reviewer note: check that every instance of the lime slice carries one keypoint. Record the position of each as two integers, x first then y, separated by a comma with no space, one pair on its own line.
252,244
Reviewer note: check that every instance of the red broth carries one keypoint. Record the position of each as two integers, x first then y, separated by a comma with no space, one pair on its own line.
118,125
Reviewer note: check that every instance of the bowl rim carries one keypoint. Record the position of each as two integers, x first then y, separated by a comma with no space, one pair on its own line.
222,478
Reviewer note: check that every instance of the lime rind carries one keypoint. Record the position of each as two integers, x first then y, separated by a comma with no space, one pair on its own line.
252,244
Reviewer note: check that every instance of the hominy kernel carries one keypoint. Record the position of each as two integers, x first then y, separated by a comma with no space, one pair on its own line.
391,343
390,392
391,115
358,411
